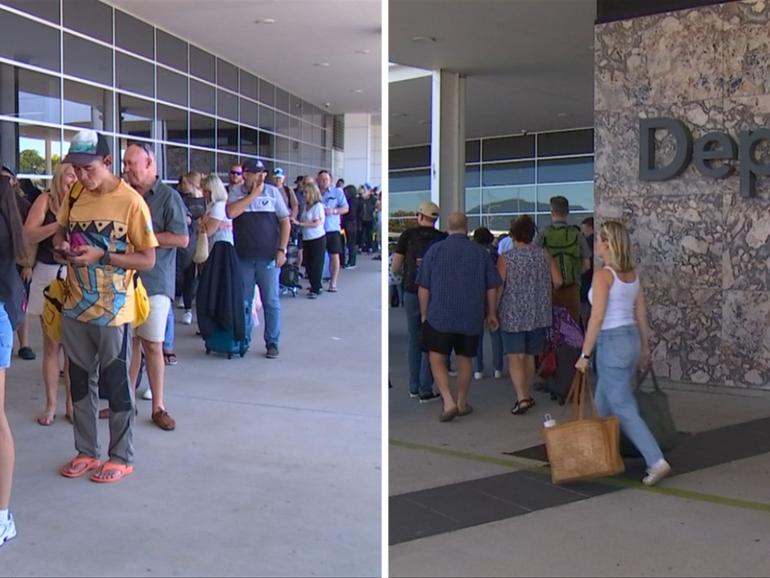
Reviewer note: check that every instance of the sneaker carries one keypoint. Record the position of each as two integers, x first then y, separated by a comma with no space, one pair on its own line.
656,472
498,374
164,421
272,351
413,394
147,394
7,530
27,354
313,295
187,318
429,397
350,266
478,375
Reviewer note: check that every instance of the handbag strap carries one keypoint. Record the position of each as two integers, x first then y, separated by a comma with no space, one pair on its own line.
580,397
649,371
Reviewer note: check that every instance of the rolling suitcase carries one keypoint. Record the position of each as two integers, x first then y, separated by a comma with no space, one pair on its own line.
221,340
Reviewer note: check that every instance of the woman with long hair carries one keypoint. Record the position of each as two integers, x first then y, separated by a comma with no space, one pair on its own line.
40,227
215,224
192,194
618,328
12,250
313,237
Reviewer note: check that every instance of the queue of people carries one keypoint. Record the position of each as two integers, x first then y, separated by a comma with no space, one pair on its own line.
454,287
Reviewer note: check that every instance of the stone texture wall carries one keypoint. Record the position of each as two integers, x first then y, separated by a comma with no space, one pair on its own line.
704,248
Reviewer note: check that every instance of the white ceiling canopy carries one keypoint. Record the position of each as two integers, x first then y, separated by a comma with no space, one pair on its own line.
325,51
528,63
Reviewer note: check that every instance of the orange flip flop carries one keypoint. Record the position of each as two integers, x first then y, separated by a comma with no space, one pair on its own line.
122,470
71,470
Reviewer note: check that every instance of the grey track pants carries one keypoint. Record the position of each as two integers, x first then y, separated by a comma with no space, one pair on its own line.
108,351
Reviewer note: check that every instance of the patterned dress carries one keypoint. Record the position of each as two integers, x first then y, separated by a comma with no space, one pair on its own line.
526,300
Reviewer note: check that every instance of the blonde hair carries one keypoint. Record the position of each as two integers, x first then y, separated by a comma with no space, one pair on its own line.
56,193
615,234
312,194
191,184
214,184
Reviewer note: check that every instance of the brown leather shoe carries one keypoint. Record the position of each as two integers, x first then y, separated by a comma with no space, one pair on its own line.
164,421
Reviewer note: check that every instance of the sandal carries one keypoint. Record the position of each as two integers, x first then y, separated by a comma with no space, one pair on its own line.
170,358
112,472
46,419
521,407
463,412
448,415
79,466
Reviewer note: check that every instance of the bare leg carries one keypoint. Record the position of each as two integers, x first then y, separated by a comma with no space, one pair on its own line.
334,269
517,369
23,333
153,357
50,378
529,367
6,450
441,377
464,374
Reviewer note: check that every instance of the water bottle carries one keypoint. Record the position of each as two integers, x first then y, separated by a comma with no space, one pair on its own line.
548,421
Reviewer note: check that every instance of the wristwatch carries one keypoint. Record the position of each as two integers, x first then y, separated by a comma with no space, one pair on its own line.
281,249
584,356
105,259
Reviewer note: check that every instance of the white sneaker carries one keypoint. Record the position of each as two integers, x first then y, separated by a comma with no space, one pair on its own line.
147,394
453,373
7,530
478,375
656,472
498,374
187,318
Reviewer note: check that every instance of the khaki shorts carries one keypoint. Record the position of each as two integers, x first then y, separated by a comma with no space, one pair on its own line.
154,329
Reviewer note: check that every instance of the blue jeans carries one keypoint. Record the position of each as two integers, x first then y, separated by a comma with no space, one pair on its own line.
168,340
497,352
420,375
6,338
617,357
256,272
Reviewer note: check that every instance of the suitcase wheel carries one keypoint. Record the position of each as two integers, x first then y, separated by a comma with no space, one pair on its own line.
208,351
243,353
229,356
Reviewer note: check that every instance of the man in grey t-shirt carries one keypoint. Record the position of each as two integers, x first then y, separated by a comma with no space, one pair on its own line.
170,224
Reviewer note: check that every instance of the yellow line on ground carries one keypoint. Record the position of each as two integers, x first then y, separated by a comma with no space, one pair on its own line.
542,468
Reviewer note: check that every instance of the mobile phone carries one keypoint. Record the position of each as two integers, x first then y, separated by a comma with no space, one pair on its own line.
69,253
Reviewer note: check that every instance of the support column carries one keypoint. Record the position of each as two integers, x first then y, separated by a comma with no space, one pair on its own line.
447,187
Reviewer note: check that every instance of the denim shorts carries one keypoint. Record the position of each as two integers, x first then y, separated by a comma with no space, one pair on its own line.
526,342
6,338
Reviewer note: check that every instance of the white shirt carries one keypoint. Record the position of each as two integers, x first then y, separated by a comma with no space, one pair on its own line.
225,230
314,213
621,302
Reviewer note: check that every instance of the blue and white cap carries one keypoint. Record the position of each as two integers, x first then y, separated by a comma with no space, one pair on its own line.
86,146
278,172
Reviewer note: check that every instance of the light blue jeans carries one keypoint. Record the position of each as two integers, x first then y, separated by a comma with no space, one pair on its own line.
420,375
264,273
168,340
6,338
617,357
497,351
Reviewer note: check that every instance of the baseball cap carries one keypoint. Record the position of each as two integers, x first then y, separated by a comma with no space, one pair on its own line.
253,166
278,172
86,146
368,186
429,209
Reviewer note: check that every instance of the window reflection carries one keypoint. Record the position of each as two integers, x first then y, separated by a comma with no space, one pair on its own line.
136,116
38,94
87,106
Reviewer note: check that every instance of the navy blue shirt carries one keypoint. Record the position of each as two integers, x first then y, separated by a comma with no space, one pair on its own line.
458,273
256,231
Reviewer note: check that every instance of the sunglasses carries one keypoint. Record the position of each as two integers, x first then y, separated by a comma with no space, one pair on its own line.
236,172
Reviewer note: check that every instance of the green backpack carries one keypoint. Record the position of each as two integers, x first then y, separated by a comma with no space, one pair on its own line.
563,243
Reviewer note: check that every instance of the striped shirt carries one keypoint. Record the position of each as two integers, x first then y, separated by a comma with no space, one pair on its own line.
458,273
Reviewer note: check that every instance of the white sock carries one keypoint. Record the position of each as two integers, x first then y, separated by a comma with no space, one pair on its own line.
4,516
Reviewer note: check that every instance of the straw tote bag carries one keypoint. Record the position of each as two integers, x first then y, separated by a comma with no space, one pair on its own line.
586,447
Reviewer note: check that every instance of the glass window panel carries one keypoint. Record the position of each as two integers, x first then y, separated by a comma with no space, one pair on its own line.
283,100
39,148
510,147
282,123
571,142
266,145
87,106
175,161
227,105
173,124
565,170
38,95
224,162
90,17
396,226
508,199
266,92
248,141
499,224
172,87
202,96
266,118
227,75
136,116
87,60
45,9
249,113
406,204
202,161
508,174
405,181
579,195
307,132
282,148
472,176
410,157
227,136
472,151
135,75
15,41
296,106
202,64
172,51
294,153
294,131
134,35
472,200
202,130
249,85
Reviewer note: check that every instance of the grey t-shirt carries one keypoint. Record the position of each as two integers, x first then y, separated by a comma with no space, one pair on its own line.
168,216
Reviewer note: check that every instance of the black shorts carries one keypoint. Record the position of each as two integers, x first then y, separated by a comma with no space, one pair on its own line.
465,345
334,243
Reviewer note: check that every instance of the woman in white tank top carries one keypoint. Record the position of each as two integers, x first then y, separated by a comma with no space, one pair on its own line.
619,330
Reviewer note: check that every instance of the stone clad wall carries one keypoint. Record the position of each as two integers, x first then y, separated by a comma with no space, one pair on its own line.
704,249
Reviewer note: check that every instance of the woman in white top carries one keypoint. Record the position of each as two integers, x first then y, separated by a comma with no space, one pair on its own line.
313,237
215,223
618,327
